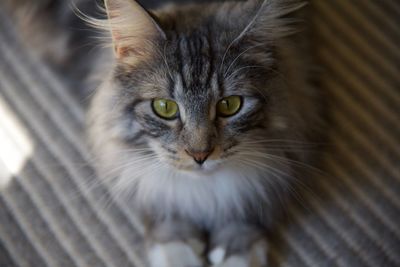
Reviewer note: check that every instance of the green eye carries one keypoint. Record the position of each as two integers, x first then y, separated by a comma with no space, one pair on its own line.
164,108
229,106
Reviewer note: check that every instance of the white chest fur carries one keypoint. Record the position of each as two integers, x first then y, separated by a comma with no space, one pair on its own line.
205,199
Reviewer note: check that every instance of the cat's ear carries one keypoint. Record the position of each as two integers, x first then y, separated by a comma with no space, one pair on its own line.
134,31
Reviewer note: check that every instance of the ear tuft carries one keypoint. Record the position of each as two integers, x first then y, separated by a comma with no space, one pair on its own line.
134,31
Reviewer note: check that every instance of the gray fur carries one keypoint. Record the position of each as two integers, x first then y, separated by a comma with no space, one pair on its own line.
207,52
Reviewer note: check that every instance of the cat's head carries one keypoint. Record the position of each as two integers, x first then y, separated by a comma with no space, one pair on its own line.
195,87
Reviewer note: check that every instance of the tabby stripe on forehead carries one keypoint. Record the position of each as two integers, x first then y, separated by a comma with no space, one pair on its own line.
181,62
202,63
192,66
171,87
207,61
208,68
211,59
195,66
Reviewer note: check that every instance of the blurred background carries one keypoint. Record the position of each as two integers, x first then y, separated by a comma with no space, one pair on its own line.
52,215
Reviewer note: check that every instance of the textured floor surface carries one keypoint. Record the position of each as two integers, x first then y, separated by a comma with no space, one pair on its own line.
351,219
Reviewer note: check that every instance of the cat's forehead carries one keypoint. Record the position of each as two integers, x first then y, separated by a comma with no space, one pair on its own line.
194,65
191,67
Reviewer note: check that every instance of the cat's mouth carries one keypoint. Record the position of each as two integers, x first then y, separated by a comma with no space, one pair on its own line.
194,164
207,168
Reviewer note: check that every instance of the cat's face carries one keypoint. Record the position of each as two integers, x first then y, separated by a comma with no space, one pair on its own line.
208,92
194,95
191,109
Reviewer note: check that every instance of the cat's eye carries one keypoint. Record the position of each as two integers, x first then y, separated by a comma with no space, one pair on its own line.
229,106
164,108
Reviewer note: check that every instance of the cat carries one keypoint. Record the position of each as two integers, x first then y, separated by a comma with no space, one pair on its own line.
198,122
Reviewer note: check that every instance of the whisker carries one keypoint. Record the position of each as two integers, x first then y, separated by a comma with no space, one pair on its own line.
149,171
242,68
127,191
281,182
287,141
243,32
293,179
234,61
108,176
281,149
283,160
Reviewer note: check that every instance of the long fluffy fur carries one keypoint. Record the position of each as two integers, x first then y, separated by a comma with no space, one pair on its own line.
169,191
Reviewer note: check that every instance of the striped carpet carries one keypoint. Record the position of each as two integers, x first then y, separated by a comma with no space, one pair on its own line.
351,218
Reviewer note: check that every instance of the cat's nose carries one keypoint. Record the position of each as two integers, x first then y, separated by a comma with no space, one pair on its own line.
199,157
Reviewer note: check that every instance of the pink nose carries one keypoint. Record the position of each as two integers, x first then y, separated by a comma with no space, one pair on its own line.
199,157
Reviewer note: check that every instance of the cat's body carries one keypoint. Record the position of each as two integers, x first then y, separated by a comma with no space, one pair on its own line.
217,178
238,192
217,196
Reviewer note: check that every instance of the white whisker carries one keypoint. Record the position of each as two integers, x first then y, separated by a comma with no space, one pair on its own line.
241,54
242,68
243,32
282,160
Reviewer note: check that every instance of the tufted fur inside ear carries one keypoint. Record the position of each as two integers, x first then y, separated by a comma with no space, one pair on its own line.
133,29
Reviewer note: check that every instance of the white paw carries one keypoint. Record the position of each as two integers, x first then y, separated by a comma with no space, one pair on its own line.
217,256
256,257
173,254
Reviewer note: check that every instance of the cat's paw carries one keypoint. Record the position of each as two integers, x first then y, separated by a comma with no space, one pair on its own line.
255,257
174,254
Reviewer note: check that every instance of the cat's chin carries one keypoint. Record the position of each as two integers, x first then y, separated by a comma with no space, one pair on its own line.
207,169
201,172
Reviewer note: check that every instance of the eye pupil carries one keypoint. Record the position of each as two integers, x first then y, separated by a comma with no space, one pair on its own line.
229,106
165,109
